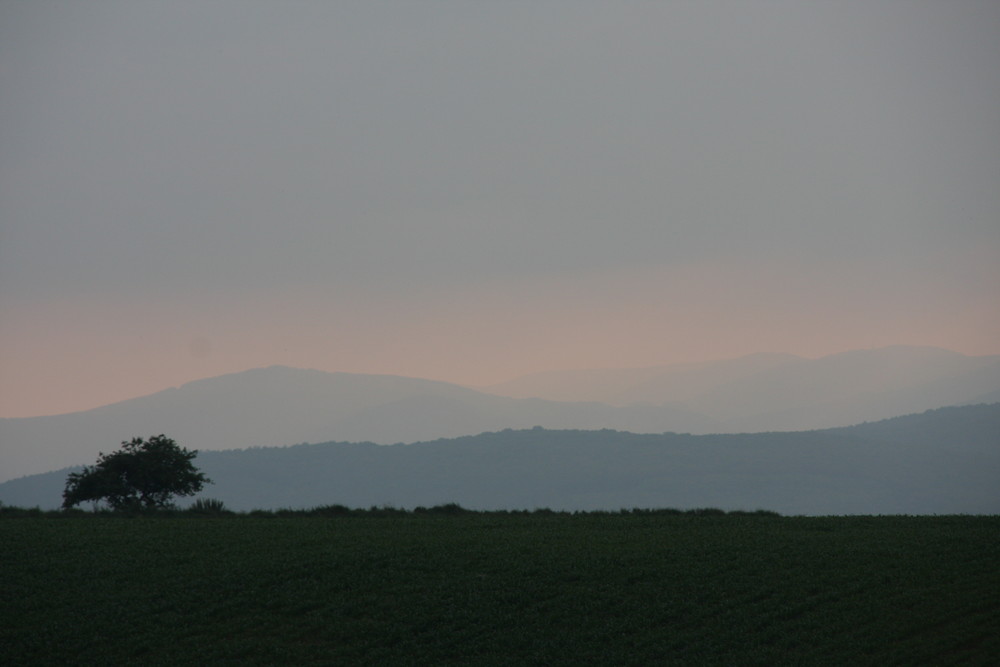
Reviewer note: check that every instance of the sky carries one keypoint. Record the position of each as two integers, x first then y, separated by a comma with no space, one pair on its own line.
470,191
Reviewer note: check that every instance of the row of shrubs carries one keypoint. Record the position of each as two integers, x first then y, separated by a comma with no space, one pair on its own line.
216,508
455,509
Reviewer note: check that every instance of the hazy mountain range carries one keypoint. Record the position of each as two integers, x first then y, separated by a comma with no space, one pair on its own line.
945,461
281,406
766,392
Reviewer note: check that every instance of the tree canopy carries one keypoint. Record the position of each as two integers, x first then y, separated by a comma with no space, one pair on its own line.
143,474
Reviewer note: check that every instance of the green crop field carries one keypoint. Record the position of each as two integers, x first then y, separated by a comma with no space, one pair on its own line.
499,589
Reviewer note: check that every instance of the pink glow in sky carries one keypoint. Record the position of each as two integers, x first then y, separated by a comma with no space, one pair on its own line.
473,191
485,335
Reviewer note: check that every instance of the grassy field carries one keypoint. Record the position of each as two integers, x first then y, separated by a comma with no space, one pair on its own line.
498,589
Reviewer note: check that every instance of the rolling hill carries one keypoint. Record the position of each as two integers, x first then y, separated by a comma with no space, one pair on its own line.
281,405
945,461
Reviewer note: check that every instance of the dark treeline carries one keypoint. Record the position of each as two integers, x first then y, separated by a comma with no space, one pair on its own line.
215,508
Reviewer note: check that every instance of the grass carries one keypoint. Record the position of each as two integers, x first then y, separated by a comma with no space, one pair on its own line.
456,587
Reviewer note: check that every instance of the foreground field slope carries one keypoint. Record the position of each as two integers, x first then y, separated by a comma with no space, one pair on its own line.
945,461
636,589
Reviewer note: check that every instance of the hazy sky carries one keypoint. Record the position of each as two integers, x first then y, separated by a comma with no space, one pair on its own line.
470,191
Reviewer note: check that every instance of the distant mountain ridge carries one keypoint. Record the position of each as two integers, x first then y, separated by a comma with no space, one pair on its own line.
621,386
280,405
944,461
763,392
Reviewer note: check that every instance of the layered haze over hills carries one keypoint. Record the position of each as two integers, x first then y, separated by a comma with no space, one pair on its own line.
944,461
416,221
763,392
284,406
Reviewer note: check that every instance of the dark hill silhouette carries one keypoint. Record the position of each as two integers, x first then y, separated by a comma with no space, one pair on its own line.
939,462
281,405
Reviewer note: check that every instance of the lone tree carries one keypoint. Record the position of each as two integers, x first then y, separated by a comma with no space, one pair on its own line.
143,474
